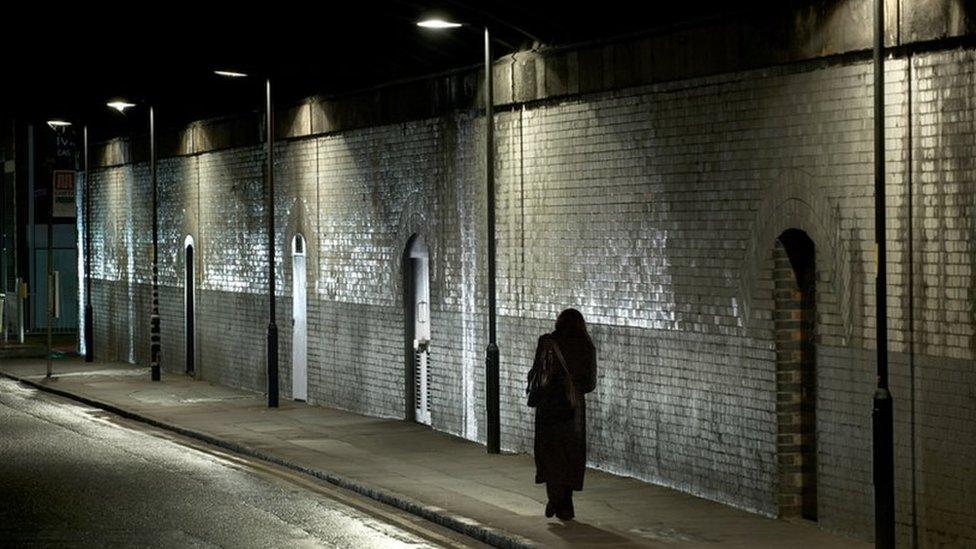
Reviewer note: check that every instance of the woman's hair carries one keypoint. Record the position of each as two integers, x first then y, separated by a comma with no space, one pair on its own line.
570,323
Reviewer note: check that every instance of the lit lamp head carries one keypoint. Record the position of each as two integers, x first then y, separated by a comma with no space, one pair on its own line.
57,124
437,23
120,105
230,74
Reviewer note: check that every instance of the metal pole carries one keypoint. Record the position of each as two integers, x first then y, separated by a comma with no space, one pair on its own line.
3,251
50,276
3,257
884,483
154,315
272,326
89,325
491,353
15,251
21,295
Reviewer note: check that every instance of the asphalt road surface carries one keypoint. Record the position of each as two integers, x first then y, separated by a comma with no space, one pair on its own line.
74,476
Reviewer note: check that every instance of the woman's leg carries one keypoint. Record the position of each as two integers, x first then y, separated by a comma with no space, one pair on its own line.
555,498
564,505
568,508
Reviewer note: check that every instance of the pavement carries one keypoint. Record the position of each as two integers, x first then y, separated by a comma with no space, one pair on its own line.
439,477
77,476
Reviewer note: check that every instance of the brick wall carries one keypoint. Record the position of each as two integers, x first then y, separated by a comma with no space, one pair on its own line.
794,321
654,210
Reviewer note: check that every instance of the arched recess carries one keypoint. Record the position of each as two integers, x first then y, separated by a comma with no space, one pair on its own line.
417,333
796,200
795,336
189,306
299,322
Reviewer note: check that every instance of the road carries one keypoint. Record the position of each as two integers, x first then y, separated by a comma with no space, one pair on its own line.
75,476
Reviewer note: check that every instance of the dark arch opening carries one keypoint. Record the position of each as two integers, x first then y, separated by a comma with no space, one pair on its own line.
795,322
802,256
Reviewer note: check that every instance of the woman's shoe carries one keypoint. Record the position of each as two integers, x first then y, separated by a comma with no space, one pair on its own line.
550,509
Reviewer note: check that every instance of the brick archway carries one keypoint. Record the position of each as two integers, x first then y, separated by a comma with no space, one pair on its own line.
795,323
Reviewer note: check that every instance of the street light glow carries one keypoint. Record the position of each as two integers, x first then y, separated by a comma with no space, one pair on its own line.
120,105
438,24
58,123
231,74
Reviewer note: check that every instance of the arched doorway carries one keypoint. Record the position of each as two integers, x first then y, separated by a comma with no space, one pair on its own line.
299,340
189,306
416,274
795,322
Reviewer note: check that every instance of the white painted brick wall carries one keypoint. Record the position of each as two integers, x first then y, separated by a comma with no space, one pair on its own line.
653,210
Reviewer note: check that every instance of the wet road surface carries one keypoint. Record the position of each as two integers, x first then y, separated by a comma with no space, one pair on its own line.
76,476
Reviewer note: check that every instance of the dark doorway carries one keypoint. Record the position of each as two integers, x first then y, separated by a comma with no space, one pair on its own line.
795,320
416,282
189,309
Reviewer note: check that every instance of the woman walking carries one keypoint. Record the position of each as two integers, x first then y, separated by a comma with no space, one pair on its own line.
563,371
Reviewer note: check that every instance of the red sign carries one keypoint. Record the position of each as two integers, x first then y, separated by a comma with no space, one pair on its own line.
64,194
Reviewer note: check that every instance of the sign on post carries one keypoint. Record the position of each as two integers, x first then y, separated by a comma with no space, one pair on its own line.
63,203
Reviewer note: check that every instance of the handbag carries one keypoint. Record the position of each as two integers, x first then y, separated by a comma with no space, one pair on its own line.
540,382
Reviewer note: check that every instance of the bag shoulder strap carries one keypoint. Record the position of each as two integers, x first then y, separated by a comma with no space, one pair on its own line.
559,355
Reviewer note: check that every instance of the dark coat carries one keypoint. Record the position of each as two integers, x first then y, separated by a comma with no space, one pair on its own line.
560,432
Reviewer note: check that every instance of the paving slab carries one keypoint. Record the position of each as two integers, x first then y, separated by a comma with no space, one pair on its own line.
436,475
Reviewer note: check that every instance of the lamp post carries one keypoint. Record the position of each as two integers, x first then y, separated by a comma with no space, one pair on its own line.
89,326
491,352
154,339
88,331
882,413
272,359
58,125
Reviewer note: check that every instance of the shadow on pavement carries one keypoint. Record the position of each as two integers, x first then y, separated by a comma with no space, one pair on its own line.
581,533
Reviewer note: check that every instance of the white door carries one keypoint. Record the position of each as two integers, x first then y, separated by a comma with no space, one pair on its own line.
299,348
421,342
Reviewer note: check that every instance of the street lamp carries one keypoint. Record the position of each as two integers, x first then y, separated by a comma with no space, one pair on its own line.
883,409
272,325
88,335
121,106
59,125
491,352
437,24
